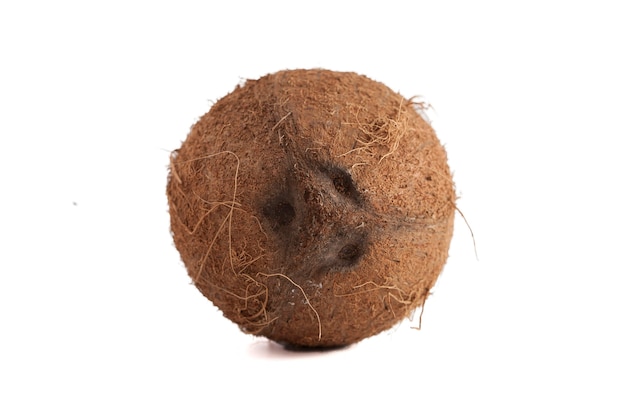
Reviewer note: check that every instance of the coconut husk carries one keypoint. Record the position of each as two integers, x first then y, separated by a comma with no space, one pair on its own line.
313,207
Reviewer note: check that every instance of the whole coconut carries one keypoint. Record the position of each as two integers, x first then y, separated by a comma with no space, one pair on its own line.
313,207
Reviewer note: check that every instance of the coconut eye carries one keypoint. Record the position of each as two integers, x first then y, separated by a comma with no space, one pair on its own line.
350,253
281,213
342,181
341,184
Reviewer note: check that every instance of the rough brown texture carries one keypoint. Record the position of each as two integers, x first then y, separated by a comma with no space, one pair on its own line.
312,207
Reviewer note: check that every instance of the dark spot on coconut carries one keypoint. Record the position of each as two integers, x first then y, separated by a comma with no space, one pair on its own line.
284,213
350,253
280,213
344,253
343,183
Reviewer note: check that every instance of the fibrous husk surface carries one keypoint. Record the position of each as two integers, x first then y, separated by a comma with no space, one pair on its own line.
313,207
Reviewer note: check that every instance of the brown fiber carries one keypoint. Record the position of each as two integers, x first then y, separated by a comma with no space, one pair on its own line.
312,207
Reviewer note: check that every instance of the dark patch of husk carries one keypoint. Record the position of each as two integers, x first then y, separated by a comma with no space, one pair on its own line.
313,207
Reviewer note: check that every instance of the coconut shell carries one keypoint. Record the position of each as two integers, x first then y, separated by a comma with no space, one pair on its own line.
312,207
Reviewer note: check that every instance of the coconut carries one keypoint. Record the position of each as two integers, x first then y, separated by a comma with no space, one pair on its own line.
312,207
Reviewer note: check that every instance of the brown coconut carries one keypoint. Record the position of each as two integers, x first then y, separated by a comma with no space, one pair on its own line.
313,207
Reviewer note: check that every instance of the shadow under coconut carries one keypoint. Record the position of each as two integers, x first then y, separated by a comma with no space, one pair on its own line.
270,349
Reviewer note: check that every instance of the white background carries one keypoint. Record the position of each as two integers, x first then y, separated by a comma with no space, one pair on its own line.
97,314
